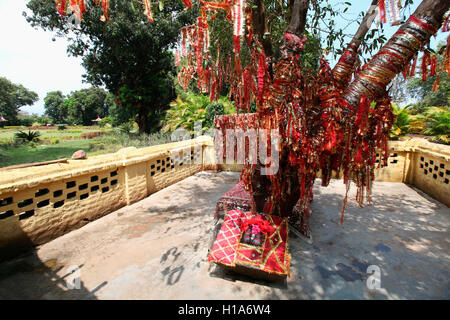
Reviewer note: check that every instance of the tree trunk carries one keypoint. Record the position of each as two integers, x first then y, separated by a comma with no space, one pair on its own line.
261,185
142,119
298,18
397,52
261,28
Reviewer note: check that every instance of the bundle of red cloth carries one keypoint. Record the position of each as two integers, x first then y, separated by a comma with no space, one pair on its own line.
253,244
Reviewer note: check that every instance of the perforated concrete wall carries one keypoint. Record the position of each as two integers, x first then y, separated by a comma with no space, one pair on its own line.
38,204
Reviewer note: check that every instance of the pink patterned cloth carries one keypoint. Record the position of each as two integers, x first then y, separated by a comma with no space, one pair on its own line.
270,257
235,199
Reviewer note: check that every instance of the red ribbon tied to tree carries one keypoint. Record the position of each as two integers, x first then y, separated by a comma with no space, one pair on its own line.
148,10
61,7
382,11
187,3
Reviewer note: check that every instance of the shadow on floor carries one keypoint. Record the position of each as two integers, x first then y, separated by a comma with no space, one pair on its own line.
404,233
38,279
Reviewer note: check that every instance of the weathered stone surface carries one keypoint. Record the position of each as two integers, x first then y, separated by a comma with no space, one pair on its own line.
156,249
79,155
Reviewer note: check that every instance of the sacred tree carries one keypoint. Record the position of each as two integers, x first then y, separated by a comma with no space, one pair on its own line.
329,120
326,120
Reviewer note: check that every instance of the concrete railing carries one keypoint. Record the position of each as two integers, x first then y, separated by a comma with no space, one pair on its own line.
38,204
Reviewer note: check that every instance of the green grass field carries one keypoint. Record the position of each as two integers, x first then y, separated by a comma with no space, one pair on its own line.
65,143
7,135
26,154
56,144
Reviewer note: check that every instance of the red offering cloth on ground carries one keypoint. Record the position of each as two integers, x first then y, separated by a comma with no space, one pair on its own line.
235,246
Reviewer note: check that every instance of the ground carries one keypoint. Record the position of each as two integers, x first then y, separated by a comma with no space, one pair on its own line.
157,247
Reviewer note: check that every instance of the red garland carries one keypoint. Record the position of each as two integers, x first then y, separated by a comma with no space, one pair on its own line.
105,5
433,65
246,79
426,61
187,3
82,6
446,25
436,84
261,71
237,59
183,41
446,60
148,10
381,7
61,7
405,71
362,116
413,67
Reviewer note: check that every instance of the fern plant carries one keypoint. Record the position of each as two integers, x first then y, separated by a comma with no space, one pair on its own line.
401,123
190,108
28,136
183,113
438,124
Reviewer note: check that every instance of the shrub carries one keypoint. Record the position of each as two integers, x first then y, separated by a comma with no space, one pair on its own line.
42,128
106,121
401,123
438,124
25,121
28,136
128,127
214,109
54,141
62,127
95,146
117,139
190,108
91,135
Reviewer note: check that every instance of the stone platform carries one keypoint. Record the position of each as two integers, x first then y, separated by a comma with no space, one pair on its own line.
156,249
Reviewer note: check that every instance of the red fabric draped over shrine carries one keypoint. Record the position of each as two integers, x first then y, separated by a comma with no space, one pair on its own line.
270,257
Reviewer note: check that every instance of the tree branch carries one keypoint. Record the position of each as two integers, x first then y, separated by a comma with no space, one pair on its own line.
343,69
365,24
397,52
261,28
299,9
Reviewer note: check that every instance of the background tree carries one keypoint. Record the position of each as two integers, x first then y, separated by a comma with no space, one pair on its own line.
12,98
55,107
422,90
85,105
128,55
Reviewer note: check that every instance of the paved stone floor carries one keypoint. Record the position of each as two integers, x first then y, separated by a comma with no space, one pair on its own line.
156,249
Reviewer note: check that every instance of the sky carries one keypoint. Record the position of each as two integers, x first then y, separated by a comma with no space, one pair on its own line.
30,57
363,5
